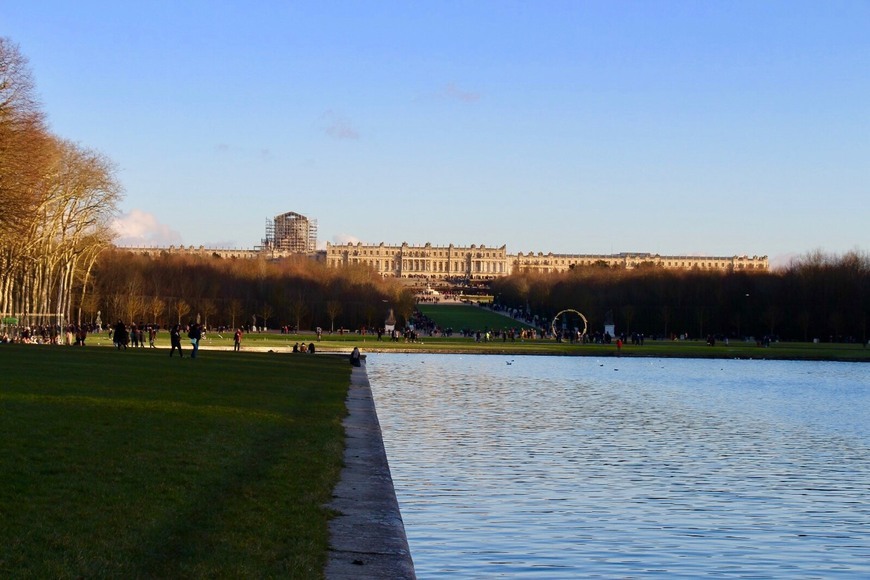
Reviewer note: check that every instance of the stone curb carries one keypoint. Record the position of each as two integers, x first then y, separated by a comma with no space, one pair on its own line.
367,539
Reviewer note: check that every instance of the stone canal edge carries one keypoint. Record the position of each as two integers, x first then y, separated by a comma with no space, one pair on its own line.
367,539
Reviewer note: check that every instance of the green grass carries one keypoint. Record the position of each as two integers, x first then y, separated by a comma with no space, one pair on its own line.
460,345
465,316
652,348
132,464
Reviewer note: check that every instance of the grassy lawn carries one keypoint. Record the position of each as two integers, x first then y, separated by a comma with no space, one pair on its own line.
132,464
466,316
460,345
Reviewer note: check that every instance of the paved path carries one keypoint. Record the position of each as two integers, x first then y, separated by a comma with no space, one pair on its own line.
368,539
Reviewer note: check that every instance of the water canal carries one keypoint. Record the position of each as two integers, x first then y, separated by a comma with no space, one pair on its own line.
558,467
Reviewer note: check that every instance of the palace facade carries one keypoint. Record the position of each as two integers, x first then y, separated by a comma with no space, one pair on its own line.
468,262
485,263
428,261
290,234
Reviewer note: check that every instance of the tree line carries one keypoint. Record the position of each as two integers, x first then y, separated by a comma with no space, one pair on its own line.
57,199
818,296
294,292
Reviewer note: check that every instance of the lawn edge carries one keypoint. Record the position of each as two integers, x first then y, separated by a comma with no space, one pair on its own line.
367,538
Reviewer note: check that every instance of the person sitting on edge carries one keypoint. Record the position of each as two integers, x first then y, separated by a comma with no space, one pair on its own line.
354,357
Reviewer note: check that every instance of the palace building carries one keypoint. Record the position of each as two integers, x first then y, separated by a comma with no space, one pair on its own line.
428,261
560,262
485,263
291,234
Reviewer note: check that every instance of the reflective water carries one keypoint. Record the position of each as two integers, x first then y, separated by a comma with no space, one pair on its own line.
575,467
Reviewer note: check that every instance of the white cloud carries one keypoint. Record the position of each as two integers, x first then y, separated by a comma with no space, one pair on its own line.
140,228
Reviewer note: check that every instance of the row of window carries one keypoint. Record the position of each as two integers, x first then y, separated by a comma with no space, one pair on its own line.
423,266
426,254
500,266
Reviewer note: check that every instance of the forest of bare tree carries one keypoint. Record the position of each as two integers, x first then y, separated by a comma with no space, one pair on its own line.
819,296
295,292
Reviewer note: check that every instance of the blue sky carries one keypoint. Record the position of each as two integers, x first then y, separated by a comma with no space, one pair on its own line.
699,128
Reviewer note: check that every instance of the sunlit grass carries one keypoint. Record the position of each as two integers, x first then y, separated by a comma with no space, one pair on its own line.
132,464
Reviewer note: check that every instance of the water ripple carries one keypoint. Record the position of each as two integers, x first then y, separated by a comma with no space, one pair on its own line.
563,467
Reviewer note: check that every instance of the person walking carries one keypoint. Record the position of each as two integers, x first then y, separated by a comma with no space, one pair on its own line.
237,340
194,334
175,340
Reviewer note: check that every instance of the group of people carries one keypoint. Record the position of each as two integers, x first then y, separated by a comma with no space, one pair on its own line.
310,348
134,335
194,333
73,334
122,336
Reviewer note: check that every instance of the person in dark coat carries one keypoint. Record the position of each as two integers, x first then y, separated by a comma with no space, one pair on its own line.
354,357
194,334
175,340
119,336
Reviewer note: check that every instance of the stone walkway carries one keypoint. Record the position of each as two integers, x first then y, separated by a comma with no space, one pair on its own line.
368,539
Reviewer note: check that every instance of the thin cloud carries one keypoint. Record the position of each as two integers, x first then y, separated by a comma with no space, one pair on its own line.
782,261
140,228
338,127
263,153
451,91
224,245
344,239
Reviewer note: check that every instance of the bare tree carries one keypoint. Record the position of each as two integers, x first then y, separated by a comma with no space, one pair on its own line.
333,310
266,310
22,139
181,309
235,309
299,307
157,306
208,308
628,316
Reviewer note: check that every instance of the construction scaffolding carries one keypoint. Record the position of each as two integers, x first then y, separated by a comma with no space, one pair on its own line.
290,233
